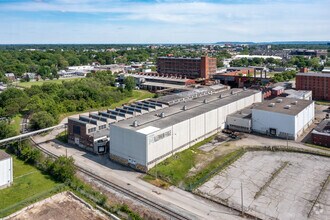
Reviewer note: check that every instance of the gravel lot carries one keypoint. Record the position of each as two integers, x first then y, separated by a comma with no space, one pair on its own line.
59,207
276,185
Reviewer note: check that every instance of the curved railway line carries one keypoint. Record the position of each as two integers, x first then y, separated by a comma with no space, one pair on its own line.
165,210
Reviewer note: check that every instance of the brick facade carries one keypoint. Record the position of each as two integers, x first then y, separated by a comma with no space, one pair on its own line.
319,83
187,67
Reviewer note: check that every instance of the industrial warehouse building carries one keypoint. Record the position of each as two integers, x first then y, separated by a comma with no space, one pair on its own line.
191,68
285,118
282,117
145,140
6,169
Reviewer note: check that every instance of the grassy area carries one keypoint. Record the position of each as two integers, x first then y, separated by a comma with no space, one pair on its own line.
155,181
317,146
137,95
174,169
29,186
63,137
323,103
40,82
16,123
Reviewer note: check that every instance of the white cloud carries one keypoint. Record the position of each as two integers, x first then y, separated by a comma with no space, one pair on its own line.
180,21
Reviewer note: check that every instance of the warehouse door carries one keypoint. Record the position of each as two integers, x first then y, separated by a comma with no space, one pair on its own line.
272,131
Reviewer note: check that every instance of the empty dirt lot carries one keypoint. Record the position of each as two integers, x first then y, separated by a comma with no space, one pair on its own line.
276,185
59,207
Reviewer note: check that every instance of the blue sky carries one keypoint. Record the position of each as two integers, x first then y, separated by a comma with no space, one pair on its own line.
162,21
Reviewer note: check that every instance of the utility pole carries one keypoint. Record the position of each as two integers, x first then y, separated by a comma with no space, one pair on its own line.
242,199
287,140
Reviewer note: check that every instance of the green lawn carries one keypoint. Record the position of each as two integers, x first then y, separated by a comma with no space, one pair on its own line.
174,169
40,82
29,186
323,103
137,95
16,123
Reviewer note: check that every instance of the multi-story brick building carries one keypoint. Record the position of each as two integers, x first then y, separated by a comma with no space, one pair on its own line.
319,83
191,68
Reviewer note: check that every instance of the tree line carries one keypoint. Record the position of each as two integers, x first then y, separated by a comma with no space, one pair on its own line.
43,104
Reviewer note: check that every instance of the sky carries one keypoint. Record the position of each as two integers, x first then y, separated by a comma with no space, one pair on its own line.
162,21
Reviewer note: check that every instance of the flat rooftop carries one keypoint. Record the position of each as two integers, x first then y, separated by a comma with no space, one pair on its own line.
165,85
323,128
180,58
151,122
314,74
296,105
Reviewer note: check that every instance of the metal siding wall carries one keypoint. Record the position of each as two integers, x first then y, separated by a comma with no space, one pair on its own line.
197,127
128,144
181,134
211,119
263,120
161,147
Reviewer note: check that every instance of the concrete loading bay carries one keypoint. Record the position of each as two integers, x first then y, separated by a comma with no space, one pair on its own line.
275,185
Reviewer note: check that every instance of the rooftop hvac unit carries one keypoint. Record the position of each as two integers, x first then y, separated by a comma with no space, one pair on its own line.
287,106
294,103
135,123
184,108
162,115
271,104
279,100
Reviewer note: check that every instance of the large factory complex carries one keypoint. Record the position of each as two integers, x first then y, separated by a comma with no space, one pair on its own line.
146,132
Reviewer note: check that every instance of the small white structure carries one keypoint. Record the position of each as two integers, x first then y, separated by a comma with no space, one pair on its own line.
6,169
283,117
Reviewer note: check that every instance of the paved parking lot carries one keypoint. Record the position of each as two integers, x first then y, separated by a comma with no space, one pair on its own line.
276,185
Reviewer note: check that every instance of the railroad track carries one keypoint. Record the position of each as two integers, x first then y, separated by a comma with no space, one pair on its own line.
118,188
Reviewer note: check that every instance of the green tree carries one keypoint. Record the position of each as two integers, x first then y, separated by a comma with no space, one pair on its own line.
6,130
63,168
129,83
42,120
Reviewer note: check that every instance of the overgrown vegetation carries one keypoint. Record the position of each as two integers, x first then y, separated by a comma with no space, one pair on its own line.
284,76
41,176
47,102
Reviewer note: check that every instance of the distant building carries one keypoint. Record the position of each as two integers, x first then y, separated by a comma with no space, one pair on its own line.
6,169
10,76
192,68
305,52
319,83
321,134
326,70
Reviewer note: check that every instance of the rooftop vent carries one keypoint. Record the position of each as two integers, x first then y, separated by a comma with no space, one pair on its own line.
279,100
162,115
244,88
184,108
294,103
205,101
271,104
287,106
135,123
232,92
220,96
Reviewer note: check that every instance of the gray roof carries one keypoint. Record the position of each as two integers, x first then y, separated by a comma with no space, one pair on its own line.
175,113
4,155
314,74
180,58
324,127
294,109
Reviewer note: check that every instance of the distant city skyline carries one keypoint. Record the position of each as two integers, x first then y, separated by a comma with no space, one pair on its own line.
162,21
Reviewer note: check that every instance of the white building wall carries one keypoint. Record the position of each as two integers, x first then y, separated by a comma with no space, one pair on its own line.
128,144
304,119
156,149
6,172
262,121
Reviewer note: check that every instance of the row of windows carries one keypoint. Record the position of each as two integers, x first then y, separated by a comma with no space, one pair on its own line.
91,130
